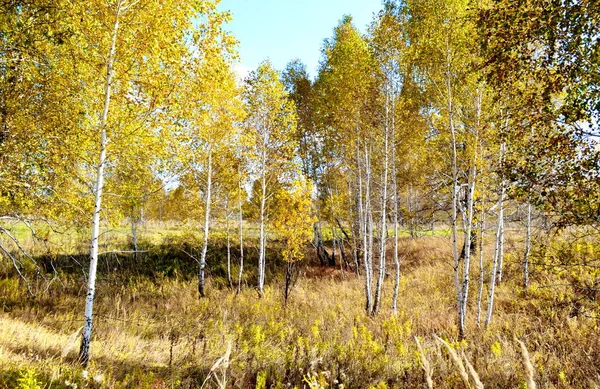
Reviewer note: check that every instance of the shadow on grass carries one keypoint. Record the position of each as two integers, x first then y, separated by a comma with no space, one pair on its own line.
127,373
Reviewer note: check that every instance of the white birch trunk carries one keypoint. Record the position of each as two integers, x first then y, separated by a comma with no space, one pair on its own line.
261,255
383,236
468,229
501,250
84,352
395,185
229,279
497,248
467,259
201,273
363,229
369,227
241,232
481,270
450,109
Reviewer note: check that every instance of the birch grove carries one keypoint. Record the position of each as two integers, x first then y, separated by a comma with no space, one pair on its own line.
438,135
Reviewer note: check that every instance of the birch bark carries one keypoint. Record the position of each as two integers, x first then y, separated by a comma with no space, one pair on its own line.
383,232
241,232
498,246
261,256
201,272
84,352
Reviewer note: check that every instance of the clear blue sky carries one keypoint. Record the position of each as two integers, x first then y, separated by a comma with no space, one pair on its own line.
286,29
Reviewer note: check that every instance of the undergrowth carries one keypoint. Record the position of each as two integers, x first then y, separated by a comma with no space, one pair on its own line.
152,331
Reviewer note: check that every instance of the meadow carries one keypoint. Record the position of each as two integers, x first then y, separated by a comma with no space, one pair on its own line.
152,331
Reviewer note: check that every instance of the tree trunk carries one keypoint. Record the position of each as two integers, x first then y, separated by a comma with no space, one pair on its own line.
395,185
527,249
322,254
201,275
363,230
342,246
467,252
497,248
134,225
455,186
383,237
411,214
369,226
333,244
481,270
355,227
289,275
84,352
229,279
241,230
501,252
261,256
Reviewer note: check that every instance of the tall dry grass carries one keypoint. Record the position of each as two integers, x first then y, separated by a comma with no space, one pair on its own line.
152,331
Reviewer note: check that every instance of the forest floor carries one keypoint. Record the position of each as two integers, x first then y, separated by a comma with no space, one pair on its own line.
152,331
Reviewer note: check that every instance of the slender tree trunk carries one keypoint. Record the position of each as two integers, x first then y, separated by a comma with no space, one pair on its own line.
344,237
334,245
289,276
261,259
470,237
84,352
527,249
355,227
411,216
501,250
229,279
383,237
481,270
241,231
501,253
369,226
497,248
339,243
322,255
467,257
343,255
363,229
450,108
201,275
333,232
395,185
318,242
134,225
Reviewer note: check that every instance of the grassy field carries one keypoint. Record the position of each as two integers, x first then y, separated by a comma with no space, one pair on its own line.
152,331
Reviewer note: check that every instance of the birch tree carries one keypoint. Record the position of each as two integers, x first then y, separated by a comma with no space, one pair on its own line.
293,222
441,35
388,43
271,124
346,92
106,33
499,243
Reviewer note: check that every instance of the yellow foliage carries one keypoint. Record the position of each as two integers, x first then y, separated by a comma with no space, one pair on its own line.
496,349
292,218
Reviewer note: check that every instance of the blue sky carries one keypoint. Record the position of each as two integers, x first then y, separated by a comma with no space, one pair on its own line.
286,29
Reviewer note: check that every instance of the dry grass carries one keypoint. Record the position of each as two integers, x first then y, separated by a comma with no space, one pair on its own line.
153,332
460,367
426,365
472,372
529,369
